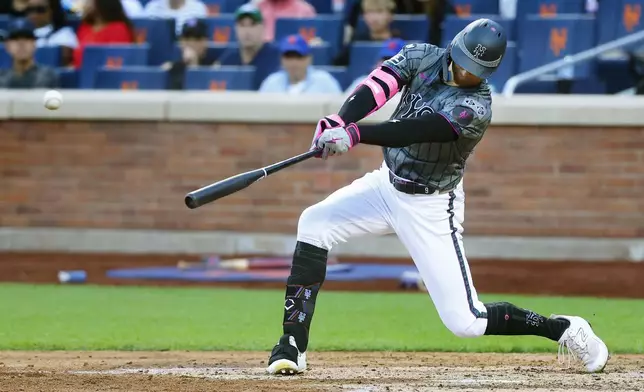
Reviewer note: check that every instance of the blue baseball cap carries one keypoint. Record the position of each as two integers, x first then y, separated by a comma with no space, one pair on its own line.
391,47
295,43
21,28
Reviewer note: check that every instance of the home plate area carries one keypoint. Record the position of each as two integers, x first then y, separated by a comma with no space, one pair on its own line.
331,371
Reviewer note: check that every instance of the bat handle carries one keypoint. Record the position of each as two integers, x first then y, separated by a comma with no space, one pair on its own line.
290,162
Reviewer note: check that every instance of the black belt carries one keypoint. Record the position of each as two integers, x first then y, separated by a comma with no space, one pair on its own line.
412,188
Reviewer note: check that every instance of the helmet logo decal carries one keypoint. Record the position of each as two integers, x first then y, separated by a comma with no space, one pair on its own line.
479,51
476,58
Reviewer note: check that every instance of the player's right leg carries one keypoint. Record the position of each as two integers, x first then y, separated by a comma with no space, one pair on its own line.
431,229
355,210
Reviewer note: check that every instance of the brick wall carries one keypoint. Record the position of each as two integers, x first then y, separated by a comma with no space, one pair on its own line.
520,181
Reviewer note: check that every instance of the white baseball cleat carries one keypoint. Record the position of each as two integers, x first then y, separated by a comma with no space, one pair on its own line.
582,343
286,359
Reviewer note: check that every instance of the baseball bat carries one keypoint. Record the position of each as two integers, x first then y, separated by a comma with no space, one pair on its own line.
236,183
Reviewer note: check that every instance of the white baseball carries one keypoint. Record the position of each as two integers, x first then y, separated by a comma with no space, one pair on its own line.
52,100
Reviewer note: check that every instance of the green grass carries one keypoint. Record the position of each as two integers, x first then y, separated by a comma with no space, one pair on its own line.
51,317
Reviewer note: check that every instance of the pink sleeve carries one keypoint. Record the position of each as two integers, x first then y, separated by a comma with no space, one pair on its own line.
373,82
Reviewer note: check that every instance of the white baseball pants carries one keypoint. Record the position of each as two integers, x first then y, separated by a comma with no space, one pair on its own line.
429,226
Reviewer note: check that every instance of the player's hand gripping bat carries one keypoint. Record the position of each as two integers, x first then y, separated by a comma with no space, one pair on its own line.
236,183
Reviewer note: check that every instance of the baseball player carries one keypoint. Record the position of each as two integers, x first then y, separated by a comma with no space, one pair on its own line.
418,194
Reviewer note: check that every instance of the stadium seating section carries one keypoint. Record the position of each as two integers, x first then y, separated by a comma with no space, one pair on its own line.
543,31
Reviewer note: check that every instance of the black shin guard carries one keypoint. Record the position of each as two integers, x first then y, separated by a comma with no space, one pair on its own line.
506,319
307,275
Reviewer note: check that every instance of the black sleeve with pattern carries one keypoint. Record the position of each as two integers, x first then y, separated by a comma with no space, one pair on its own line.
430,128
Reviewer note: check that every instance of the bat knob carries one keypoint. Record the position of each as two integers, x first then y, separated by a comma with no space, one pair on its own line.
191,201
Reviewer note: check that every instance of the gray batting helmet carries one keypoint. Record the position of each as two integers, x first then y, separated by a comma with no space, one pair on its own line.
479,48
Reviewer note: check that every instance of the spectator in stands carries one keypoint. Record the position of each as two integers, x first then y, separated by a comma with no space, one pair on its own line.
25,73
389,49
194,52
298,76
51,27
104,22
14,8
434,9
275,9
253,51
179,10
378,15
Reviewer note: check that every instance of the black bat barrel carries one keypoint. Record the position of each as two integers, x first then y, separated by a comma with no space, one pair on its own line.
222,188
231,185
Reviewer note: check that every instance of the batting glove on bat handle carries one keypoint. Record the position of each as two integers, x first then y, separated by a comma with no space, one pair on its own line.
337,141
328,122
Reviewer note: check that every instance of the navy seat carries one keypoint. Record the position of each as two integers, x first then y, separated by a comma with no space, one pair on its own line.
545,40
364,56
68,78
222,78
132,78
221,28
49,56
112,56
469,7
158,34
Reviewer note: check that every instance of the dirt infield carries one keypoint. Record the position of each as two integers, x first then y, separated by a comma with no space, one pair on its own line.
347,371
607,279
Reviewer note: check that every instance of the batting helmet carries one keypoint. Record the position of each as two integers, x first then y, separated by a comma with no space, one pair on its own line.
479,48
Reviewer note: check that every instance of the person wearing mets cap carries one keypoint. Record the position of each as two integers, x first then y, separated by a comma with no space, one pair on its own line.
418,194
298,75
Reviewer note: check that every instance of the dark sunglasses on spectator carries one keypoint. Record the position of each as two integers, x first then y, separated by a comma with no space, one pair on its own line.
37,9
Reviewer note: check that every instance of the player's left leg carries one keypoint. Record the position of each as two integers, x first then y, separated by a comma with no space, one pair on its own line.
431,229
355,210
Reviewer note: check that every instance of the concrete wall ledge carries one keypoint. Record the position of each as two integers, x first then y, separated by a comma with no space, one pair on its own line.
571,110
232,243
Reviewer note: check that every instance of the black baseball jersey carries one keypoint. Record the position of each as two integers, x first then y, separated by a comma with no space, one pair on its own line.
440,165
